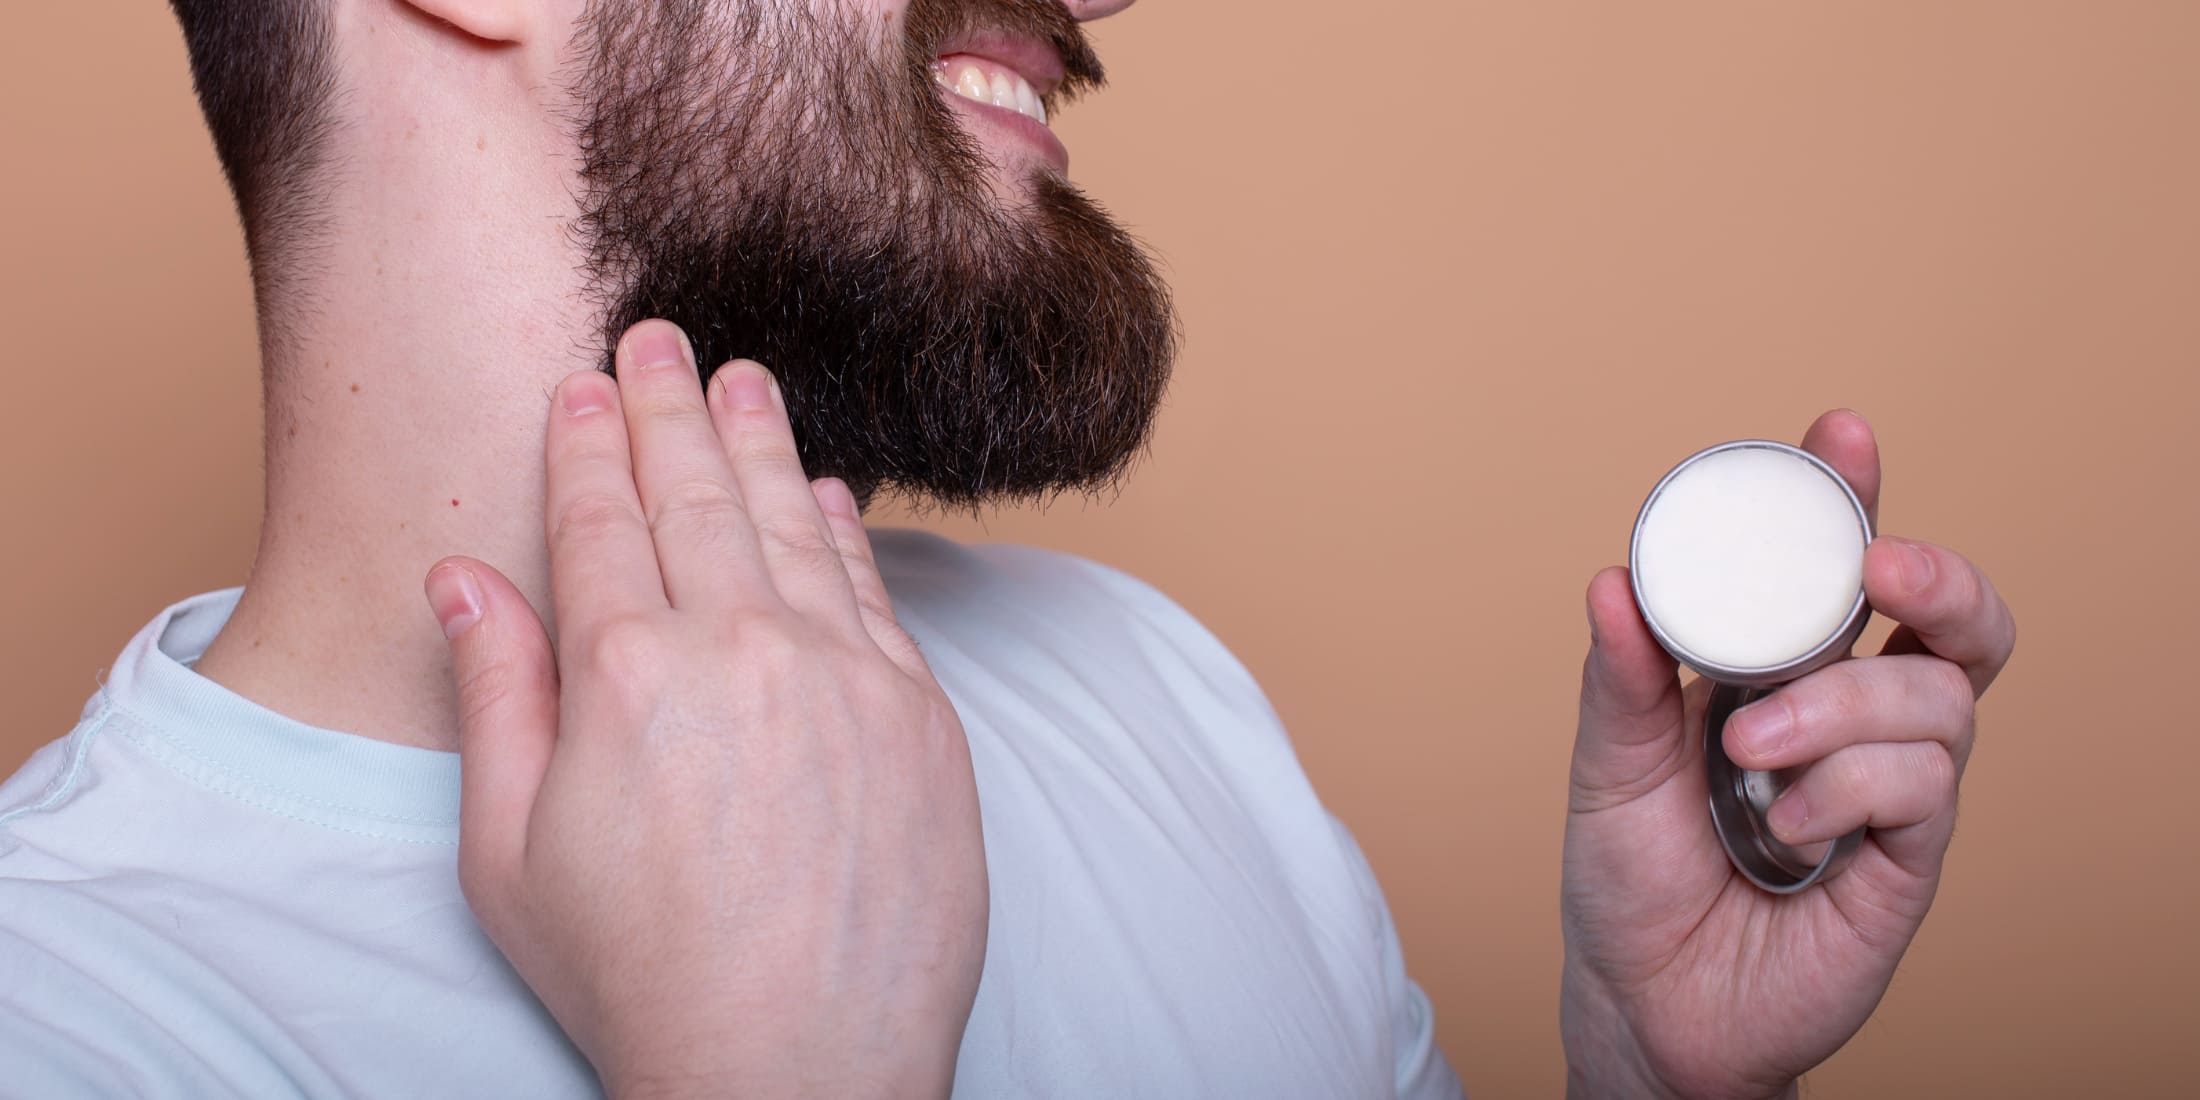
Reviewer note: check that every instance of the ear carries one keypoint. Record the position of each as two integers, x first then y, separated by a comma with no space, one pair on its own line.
488,20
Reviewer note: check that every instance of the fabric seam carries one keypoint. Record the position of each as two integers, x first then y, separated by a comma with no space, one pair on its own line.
79,750
179,745
228,791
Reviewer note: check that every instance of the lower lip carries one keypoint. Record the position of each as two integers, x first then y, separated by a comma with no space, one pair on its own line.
1018,126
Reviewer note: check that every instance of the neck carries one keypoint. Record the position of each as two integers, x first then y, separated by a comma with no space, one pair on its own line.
405,420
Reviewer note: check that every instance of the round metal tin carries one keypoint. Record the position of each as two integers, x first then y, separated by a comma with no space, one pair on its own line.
1833,648
1739,797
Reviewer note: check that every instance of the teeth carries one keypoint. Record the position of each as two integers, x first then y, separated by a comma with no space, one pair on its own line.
1002,87
971,85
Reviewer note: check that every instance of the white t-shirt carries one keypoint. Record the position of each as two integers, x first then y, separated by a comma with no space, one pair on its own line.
200,897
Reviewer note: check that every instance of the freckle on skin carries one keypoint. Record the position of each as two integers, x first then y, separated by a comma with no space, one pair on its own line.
481,143
355,387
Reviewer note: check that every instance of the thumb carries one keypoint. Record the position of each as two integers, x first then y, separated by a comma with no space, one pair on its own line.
1632,736
508,711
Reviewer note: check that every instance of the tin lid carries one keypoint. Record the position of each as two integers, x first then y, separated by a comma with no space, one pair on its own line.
1835,642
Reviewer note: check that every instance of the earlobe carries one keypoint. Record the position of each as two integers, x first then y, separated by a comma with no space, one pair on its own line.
488,20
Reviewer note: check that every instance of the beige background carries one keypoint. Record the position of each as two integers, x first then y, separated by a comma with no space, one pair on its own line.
1460,281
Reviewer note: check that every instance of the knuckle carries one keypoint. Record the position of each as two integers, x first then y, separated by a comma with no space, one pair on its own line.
1939,770
623,650
888,634
880,610
799,537
1848,776
767,641
1847,696
592,516
693,499
1952,686
483,691
663,394
1958,591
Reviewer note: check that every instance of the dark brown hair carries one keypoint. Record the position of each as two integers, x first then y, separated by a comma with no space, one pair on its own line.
265,72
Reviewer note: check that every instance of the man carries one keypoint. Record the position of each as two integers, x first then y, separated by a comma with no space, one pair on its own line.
789,808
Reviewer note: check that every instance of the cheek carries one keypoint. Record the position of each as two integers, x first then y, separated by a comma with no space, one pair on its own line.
878,11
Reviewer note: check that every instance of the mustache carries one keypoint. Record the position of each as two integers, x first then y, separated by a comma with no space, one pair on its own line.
932,23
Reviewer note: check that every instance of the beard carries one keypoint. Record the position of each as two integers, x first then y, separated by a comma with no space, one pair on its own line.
789,186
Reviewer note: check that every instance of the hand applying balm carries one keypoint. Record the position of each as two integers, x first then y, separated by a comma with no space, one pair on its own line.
1748,566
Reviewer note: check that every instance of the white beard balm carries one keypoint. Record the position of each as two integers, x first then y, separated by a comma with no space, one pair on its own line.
1748,566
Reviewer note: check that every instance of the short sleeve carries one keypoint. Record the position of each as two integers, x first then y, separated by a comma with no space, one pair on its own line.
1420,1071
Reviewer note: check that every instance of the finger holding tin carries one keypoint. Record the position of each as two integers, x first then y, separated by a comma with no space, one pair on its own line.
1904,790
1900,699
1843,439
1946,605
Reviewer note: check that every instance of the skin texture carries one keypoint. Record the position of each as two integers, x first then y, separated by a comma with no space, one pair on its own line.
452,287
1681,978
811,822
408,413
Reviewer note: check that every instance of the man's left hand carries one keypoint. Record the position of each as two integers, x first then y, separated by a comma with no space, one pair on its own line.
1682,978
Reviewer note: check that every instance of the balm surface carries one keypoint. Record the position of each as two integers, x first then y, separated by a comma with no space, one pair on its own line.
1750,558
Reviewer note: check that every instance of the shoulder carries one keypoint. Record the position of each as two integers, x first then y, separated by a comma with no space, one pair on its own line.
928,564
1008,600
935,576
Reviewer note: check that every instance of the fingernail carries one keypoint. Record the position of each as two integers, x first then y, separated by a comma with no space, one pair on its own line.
749,386
1917,566
1788,814
653,344
837,500
1763,728
455,597
586,392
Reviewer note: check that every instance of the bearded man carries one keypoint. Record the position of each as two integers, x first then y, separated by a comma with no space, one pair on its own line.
703,789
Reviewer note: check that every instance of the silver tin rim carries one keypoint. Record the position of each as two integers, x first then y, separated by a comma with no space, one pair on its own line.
1773,865
1826,652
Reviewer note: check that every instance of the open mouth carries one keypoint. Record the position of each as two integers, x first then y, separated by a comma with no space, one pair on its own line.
987,81
1003,82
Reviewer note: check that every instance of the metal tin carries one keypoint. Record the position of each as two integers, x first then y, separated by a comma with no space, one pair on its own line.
1739,797
1739,800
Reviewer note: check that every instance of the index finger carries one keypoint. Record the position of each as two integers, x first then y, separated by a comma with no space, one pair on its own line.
603,563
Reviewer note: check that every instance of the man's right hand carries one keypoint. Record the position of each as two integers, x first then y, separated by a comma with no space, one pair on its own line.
729,832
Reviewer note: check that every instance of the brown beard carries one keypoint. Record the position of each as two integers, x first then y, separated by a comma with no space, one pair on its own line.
790,190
